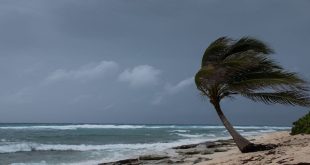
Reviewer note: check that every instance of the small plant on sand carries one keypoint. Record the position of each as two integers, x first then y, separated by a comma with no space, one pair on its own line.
302,125
244,67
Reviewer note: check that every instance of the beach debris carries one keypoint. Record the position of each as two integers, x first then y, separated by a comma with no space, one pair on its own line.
153,157
221,150
122,162
186,146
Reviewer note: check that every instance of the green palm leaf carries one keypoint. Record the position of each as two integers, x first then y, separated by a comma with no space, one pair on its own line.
277,80
215,50
244,67
248,43
285,97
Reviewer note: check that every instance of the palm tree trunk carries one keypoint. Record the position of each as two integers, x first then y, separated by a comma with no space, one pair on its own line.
243,144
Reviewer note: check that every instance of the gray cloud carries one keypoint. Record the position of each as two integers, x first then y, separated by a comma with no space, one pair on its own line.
88,71
179,86
140,76
170,90
67,43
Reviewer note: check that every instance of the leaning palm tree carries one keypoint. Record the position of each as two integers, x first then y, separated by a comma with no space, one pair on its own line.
244,67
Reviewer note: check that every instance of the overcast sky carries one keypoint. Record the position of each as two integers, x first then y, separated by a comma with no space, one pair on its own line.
120,61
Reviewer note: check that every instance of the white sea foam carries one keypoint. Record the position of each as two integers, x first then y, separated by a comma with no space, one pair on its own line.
115,151
196,135
267,130
40,163
27,146
180,130
211,135
73,127
89,162
190,135
101,126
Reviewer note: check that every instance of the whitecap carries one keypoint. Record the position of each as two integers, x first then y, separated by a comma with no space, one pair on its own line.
74,127
268,130
180,130
211,135
190,135
103,126
28,146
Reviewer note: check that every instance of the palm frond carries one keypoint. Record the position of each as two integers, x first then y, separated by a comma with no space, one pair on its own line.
202,74
215,50
201,78
251,59
244,67
248,43
277,80
283,97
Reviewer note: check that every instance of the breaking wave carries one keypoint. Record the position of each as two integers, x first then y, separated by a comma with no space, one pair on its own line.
28,146
101,126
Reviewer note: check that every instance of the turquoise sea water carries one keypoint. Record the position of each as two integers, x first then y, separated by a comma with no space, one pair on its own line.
36,144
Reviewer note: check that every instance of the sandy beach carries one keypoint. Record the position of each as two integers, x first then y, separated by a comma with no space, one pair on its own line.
291,150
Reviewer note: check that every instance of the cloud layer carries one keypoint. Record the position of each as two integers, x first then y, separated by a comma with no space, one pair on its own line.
170,90
54,58
88,71
140,76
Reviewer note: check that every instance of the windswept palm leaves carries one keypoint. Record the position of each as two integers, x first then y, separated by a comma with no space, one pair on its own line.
230,67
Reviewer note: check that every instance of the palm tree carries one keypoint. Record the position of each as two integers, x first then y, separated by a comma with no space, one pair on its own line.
244,67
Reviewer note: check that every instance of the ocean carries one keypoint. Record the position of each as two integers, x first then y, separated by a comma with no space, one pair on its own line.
79,144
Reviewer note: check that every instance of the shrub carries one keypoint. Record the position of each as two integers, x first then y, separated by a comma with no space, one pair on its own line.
302,125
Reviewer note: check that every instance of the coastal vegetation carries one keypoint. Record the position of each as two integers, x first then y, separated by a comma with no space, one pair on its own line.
302,125
243,67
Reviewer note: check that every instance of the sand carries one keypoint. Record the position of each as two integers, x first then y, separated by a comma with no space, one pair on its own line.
291,150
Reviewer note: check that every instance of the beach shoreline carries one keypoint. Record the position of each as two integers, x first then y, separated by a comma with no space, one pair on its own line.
291,150
87,144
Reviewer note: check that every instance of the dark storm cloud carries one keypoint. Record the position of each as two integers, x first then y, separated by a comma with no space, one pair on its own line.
118,61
